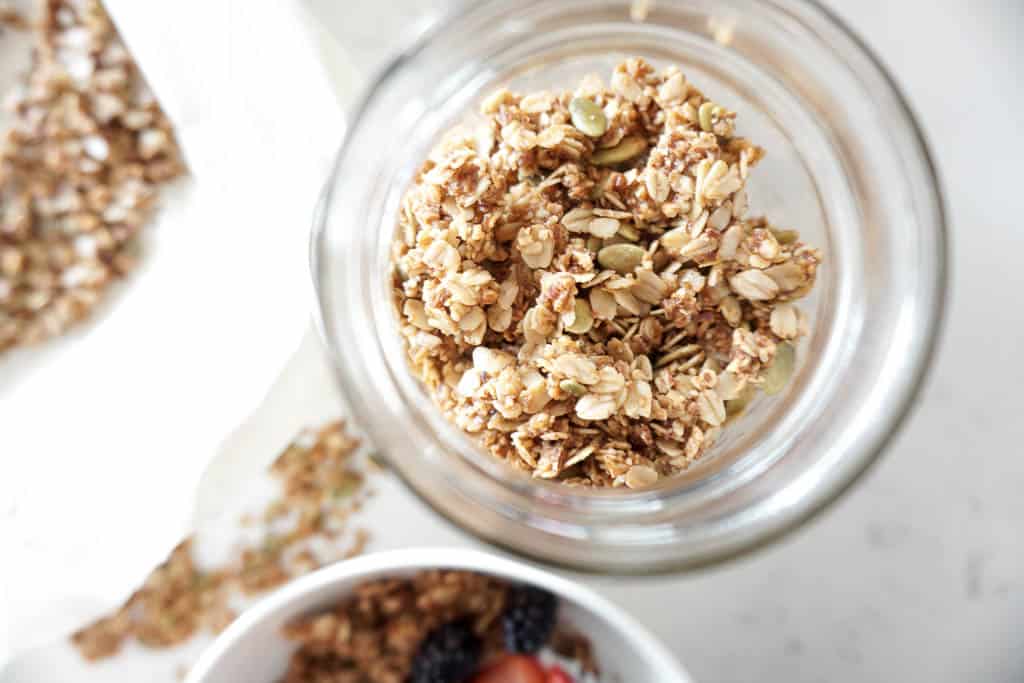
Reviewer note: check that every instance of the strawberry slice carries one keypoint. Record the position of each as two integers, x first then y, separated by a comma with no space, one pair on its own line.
556,674
513,669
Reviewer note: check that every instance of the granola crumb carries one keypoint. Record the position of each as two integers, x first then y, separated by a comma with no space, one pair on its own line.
12,18
576,647
320,483
639,9
579,285
81,167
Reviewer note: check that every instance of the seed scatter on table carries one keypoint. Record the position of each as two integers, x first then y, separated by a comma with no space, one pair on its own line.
322,485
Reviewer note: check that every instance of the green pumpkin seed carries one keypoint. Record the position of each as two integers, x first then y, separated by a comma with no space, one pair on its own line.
627,231
622,258
736,406
627,148
571,386
588,118
584,318
779,372
785,236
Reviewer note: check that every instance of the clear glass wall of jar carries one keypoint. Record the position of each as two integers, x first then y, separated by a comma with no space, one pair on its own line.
847,166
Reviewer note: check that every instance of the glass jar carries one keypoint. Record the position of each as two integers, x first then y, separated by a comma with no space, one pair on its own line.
846,166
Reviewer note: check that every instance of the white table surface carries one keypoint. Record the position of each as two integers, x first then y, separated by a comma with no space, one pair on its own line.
917,574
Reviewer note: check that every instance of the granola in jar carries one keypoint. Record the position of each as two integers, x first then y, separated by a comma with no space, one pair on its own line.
581,287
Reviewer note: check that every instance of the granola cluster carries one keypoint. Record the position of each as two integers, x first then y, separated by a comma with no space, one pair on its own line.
321,488
580,286
80,168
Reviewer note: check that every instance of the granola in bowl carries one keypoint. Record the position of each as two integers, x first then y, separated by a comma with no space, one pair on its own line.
581,287
440,626
437,614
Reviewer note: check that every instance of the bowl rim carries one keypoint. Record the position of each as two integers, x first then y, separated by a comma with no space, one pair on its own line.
926,350
389,562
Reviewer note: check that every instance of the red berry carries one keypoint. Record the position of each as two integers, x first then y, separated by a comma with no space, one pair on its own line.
557,675
513,669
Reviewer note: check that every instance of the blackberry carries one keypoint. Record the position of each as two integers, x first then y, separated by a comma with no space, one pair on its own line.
529,619
449,654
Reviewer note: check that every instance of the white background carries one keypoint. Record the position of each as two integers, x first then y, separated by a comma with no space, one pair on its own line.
918,573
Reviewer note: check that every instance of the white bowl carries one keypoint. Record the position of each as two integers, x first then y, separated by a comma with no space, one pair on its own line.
253,650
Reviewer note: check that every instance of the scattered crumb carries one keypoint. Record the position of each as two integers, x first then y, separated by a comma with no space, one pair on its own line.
12,18
639,9
320,482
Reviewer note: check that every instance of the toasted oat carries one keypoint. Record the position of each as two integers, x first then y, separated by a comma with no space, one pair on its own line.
80,170
321,488
633,303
